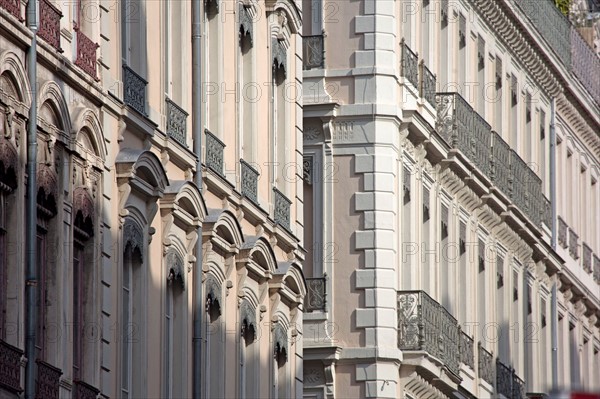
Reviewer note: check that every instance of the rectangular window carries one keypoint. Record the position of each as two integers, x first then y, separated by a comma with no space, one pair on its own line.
481,87
425,20
429,253
514,112
444,51
78,328
481,283
446,269
3,267
42,294
462,53
527,137
463,273
126,308
499,99
543,150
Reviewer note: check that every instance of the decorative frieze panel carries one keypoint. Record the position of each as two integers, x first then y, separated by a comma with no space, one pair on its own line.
214,153
281,209
249,181
176,122
410,67
485,365
10,367
312,52
13,7
315,294
424,324
134,87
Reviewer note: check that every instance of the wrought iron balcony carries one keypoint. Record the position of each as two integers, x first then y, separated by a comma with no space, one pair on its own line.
10,367
518,184
313,52
546,212
315,294
47,381
573,244
587,258
562,233
552,25
281,213
86,53
13,7
535,198
467,350
215,149
49,28
135,90
586,65
84,391
597,268
410,66
427,84
425,325
500,159
481,144
507,382
249,181
176,122
486,364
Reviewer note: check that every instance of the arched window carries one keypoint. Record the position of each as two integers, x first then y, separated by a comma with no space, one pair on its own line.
83,278
131,305
281,383
175,317
213,338
249,366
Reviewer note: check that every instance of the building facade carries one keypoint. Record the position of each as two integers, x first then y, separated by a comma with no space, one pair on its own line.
169,225
451,165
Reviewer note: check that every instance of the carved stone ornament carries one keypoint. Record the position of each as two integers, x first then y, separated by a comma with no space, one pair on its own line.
245,23
9,113
279,55
133,236
48,181
280,340
83,202
10,161
248,317
175,266
213,294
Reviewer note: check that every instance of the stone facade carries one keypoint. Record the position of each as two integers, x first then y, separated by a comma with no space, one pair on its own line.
120,216
432,245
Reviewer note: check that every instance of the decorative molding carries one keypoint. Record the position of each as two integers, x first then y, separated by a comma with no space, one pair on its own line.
133,236
175,266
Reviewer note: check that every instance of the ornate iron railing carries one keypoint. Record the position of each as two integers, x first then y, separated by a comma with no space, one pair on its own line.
86,53
500,159
597,268
546,212
315,294
586,65
587,258
573,244
427,83
215,149
410,66
10,367
518,387
454,121
424,324
313,55
135,90
47,381
176,122
508,382
84,391
552,25
281,212
481,144
485,364
535,198
467,350
518,184
49,28
249,181
562,233
13,7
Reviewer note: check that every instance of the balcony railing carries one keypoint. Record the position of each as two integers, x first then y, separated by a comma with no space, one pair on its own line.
427,83
249,181
13,7
467,350
135,90
425,325
176,122
573,244
84,391
508,383
552,25
547,212
281,212
500,170
49,28
10,367
86,53
586,65
562,233
481,144
587,258
313,52
597,268
47,381
215,149
535,198
485,364
410,66
315,294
